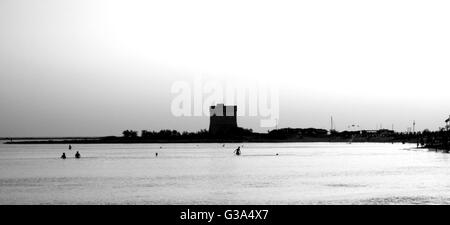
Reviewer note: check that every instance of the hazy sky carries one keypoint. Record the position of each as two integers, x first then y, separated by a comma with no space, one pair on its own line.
81,68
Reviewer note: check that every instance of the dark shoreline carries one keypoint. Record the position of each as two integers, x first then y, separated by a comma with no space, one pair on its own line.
240,135
212,140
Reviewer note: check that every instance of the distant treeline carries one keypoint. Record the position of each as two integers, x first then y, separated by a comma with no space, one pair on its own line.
290,134
176,135
426,138
435,139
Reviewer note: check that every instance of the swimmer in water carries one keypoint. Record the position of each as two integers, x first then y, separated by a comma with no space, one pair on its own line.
238,151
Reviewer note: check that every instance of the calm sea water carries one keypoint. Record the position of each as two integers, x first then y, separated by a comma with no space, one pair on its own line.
302,173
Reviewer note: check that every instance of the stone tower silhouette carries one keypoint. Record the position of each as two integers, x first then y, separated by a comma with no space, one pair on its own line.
223,119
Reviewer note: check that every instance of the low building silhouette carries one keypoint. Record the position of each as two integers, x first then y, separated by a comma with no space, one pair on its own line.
223,119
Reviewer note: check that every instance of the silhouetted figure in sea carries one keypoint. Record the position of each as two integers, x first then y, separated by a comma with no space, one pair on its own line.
63,155
238,151
70,147
156,154
77,155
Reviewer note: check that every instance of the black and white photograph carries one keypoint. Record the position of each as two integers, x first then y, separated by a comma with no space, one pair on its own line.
224,103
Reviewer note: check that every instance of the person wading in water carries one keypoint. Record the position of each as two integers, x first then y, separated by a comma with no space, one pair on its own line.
238,151
63,156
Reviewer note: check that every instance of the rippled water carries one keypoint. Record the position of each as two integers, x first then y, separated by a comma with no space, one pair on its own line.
302,173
